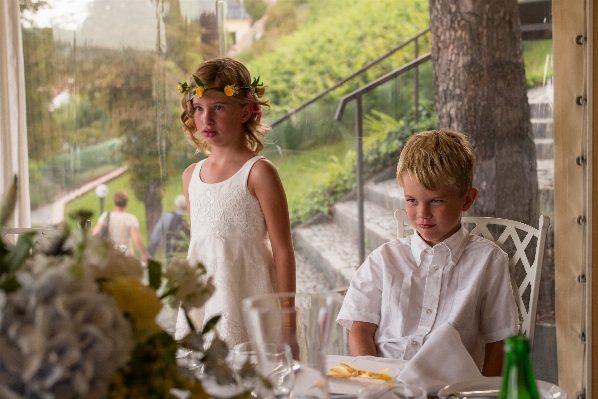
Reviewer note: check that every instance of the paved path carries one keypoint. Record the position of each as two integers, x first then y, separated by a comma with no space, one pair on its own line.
53,214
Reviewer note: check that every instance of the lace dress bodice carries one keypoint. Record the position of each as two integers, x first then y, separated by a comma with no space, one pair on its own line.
229,236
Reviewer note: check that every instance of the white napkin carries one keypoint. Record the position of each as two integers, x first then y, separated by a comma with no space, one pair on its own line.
441,360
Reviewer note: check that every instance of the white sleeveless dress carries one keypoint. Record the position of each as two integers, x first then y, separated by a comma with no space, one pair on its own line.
229,237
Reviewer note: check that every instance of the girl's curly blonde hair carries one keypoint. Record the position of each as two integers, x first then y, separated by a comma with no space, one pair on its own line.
220,72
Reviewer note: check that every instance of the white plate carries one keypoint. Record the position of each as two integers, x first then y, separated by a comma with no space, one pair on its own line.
546,390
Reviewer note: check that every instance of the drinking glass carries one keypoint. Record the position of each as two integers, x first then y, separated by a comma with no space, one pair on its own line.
392,390
306,322
244,364
275,365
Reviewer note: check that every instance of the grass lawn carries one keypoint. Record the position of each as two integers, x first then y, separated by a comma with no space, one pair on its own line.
303,170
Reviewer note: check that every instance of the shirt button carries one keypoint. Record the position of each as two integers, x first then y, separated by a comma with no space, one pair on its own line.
414,344
436,267
428,311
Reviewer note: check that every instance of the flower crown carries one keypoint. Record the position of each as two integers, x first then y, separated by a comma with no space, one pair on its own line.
256,88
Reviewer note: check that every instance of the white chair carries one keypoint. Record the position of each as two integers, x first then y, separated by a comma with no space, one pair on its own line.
506,229
41,235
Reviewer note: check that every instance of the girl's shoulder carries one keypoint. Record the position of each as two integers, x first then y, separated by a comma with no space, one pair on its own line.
263,167
190,168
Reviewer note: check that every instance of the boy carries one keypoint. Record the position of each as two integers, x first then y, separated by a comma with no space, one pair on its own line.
408,287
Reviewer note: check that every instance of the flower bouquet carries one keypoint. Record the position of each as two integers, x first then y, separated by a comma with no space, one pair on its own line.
77,321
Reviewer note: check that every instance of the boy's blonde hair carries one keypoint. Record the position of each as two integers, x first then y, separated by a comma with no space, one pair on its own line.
220,72
438,158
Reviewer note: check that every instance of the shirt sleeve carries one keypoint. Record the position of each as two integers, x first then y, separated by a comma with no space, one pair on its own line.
499,314
363,299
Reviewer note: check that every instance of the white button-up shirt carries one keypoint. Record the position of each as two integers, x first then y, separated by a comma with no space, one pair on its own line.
407,289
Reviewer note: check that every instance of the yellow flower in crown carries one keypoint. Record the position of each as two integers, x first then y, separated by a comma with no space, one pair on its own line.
258,87
230,90
199,91
260,91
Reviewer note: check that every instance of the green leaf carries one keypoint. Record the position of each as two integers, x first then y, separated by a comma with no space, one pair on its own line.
198,82
17,255
210,324
154,269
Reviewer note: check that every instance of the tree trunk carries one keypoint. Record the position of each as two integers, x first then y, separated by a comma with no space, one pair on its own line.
480,90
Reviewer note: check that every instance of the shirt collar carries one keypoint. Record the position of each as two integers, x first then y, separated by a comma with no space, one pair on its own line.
456,245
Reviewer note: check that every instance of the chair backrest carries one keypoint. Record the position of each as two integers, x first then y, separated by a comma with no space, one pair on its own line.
517,239
41,235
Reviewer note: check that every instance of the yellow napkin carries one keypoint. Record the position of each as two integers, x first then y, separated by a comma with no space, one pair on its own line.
344,370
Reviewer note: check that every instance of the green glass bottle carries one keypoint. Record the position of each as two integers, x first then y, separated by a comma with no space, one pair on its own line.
518,380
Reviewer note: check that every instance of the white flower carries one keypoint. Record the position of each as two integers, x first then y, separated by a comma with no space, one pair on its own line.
59,336
191,285
108,262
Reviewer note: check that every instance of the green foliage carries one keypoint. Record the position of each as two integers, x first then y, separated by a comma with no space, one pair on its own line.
339,37
382,147
255,8
537,57
282,19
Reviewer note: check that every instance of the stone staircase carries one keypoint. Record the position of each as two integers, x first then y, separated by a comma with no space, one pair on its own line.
328,244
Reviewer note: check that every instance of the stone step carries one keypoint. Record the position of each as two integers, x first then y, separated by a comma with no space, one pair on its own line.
379,226
544,148
541,108
543,128
386,193
330,249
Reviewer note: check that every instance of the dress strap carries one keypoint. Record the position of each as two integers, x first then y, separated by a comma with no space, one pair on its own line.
244,175
196,170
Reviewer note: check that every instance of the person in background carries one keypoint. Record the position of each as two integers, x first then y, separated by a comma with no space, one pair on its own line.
123,227
238,212
172,228
411,286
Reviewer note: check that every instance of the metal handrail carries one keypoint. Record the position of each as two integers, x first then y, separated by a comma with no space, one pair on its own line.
357,95
346,79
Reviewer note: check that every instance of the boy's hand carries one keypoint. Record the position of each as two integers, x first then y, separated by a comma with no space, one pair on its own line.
361,339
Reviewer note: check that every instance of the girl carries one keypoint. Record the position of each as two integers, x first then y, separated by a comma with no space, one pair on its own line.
235,198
